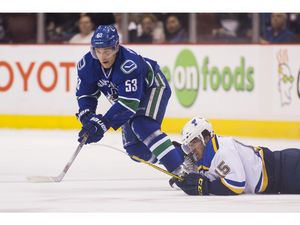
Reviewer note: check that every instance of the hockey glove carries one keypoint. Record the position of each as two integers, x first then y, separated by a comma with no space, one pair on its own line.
188,165
82,115
95,126
194,184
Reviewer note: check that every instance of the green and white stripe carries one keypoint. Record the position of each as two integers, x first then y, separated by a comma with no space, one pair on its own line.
152,136
162,147
150,75
131,104
155,97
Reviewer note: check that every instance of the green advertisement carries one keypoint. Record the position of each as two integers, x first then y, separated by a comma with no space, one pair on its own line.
189,78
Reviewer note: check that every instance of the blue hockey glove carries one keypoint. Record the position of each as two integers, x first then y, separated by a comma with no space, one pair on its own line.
83,115
194,184
95,126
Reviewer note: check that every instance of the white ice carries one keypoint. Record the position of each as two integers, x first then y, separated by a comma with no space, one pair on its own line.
105,180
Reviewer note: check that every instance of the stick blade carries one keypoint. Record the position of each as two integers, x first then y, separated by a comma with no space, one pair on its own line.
42,179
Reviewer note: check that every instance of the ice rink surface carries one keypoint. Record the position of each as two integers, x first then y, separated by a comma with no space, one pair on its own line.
105,180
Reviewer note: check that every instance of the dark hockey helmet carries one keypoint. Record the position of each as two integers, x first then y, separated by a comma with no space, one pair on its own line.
105,36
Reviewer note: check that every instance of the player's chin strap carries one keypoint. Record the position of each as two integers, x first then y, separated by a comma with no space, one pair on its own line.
145,162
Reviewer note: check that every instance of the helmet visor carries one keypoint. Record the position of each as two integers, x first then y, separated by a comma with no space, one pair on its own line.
194,147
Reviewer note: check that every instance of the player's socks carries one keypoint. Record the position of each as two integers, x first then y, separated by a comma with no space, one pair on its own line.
148,131
161,146
140,150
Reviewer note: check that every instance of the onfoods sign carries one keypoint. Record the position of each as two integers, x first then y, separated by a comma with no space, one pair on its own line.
188,79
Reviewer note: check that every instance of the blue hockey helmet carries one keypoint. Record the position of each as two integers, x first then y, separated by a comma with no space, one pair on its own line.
105,36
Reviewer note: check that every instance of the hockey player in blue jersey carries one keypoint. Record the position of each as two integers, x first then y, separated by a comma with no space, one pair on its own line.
138,91
229,167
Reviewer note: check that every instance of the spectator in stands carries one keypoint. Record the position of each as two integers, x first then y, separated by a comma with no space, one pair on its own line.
278,32
118,25
264,22
152,31
294,25
233,27
19,27
131,29
3,32
134,27
159,33
175,33
60,26
86,30
147,29
102,18
206,22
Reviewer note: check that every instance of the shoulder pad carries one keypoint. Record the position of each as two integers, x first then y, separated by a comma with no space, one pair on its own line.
128,66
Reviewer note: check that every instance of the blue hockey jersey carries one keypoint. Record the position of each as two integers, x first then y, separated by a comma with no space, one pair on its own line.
124,84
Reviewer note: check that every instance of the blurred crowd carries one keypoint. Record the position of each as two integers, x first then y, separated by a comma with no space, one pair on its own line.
153,28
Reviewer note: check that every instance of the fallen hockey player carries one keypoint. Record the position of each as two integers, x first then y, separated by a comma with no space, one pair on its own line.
229,167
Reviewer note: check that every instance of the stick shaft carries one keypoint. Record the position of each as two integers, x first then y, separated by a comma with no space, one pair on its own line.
145,162
67,167
45,179
156,167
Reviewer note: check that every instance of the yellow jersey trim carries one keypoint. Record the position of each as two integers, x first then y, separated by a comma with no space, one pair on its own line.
264,182
237,190
215,144
203,168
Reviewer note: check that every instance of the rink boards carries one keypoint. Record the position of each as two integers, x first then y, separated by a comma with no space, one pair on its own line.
245,90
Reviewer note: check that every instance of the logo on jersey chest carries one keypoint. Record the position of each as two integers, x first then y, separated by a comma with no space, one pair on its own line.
109,90
102,83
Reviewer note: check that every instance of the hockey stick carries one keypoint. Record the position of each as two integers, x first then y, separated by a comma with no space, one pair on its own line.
156,167
145,162
45,179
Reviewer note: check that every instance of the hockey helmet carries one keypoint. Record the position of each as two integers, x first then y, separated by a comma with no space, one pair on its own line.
197,127
105,36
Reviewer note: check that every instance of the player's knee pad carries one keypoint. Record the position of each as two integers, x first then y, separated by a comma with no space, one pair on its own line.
141,151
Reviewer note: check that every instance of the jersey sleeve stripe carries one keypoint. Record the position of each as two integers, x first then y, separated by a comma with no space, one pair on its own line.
150,101
258,186
154,101
131,99
130,103
150,75
235,183
235,189
94,95
264,179
158,103
160,80
125,106
160,87
215,143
